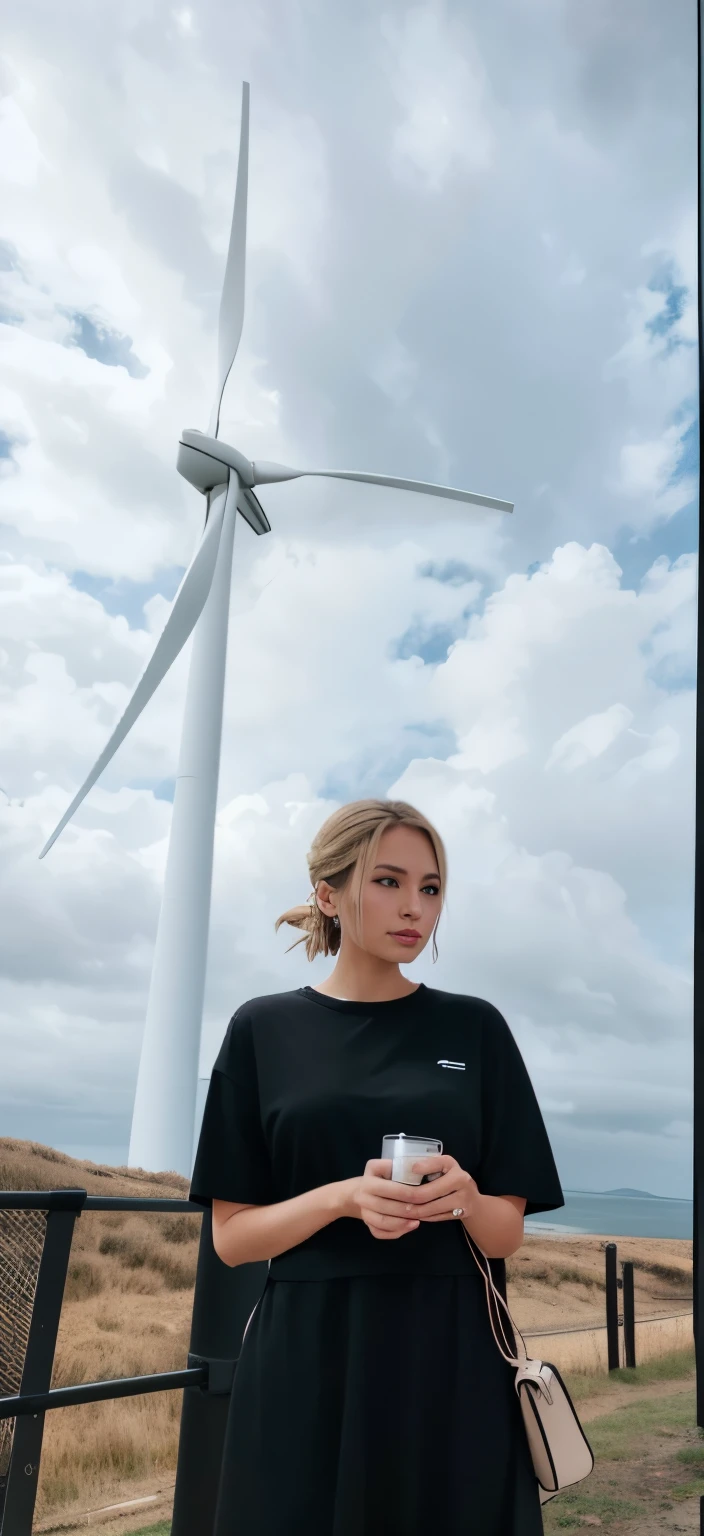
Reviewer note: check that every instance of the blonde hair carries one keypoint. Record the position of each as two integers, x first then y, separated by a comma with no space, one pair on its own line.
342,853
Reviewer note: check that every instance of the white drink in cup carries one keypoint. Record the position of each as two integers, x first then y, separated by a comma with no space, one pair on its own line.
404,1151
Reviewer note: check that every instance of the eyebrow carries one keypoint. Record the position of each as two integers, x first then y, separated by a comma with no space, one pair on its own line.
399,871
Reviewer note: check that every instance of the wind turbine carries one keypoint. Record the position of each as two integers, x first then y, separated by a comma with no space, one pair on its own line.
164,1106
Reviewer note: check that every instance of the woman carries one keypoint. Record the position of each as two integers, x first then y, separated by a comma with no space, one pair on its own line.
370,1398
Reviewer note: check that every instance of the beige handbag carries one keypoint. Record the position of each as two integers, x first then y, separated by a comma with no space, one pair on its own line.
558,1445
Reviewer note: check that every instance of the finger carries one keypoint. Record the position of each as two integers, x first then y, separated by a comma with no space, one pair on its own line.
389,1192
413,1194
443,1213
388,1218
406,1193
396,1210
406,1226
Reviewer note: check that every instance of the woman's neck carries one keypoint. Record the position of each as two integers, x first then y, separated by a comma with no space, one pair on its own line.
356,988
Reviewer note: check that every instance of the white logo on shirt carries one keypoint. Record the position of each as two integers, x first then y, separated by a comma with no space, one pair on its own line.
458,1065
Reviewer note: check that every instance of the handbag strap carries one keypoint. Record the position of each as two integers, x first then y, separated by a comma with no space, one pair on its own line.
522,1356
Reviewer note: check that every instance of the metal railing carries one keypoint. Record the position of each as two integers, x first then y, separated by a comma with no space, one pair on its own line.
222,1301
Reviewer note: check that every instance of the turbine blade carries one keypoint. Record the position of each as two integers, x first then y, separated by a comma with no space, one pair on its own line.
269,474
232,300
187,607
252,511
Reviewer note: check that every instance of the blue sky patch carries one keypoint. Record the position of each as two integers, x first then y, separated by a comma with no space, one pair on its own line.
688,462
429,641
371,772
455,573
105,345
675,298
162,789
128,597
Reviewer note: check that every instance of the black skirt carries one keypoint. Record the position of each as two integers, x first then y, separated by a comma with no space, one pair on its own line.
375,1406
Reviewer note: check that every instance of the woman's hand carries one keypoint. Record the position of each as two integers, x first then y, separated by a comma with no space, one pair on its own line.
374,1198
437,1200
390,1209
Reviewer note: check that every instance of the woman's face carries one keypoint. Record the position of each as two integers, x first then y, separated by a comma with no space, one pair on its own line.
401,891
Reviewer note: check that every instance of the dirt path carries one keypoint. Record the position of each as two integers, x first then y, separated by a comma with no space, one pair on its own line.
685,1518
647,1477
622,1395
119,1519
130,1516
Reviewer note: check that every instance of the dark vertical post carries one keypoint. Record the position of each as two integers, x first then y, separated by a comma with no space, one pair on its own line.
629,1315
222,1302
612,1308
63,1206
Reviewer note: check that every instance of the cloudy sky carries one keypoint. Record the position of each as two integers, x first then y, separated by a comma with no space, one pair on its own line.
471,259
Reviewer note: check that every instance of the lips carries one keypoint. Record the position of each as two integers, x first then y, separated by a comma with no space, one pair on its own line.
406,933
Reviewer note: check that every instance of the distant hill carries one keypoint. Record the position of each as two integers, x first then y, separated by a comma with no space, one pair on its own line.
644,1194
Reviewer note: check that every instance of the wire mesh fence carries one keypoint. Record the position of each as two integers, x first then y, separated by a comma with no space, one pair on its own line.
36,1231
22,1236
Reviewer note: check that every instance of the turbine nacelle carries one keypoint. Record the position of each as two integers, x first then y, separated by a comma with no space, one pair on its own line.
206,461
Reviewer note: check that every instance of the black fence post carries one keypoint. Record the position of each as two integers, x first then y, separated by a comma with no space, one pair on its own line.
223,1300
629,1315
62,1207
612,1307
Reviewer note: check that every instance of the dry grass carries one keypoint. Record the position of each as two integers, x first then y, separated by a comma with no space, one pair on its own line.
127,1311
559,1283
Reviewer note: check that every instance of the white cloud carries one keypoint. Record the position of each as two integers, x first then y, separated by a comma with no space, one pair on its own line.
19,150
185,21
440,83
589,738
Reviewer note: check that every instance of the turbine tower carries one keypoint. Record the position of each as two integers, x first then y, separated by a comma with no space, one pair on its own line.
164,1107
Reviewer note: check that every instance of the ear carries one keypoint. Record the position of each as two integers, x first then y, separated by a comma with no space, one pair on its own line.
322,896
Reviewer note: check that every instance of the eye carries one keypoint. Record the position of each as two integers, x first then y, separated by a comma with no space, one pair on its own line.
434,889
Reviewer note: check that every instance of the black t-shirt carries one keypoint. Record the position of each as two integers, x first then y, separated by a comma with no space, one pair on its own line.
305,1086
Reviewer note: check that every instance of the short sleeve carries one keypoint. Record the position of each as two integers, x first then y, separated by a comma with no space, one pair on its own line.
516,1156
232,1160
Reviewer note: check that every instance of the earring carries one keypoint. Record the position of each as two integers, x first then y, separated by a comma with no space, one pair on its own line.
336,922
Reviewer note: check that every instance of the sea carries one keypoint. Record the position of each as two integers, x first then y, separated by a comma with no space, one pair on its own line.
614,1213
